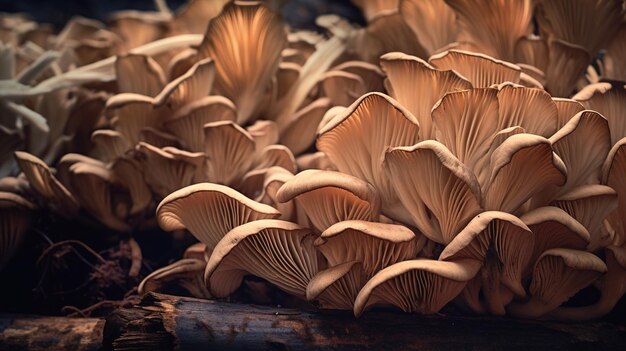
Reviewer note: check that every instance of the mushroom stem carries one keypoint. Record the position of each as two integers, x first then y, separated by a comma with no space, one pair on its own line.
490,276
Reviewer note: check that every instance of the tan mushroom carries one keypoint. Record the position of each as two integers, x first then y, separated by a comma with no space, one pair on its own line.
376,245
613,172
128,67
558,275
299,133
609,99
46,185
433,22
504,245
481,70
209,211
416,286
277,251
15,219
418,86
590,205
245,41
109,144
440,193
230,151
329,197
356,139
342,88
187,273
612,287
337,287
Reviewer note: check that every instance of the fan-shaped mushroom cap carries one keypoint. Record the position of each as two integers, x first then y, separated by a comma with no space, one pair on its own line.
209,211
590,205
371,74
567,64
567,108
505,245
134,112
613,66
328,197
245,41
137,28
613,172
128,173
376,245
342,88
582,144
494,27
356,139
422,286
558,274
274,178
286,76
139,74
612,286
187,273
432,21
481,70
403,71
264,133
277,251
590,24
46,185
176,168
188,121
439,191
230,151
276,156
110,144
337,286
554,228
521,167
387,33
609,99
14,222
299,134
530,108
92,185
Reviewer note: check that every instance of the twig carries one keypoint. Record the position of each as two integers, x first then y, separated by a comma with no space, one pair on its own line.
69,242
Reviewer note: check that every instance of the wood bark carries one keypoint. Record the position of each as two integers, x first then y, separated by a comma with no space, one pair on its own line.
50,333
163,322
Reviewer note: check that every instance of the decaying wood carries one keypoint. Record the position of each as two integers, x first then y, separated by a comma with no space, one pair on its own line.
50,333
163,322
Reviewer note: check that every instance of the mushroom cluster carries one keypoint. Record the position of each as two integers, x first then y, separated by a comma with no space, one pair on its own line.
446,152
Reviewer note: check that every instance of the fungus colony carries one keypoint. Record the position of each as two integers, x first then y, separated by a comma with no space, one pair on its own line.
448,152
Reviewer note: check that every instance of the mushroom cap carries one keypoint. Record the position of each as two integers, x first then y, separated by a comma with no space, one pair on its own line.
553,228
209,211
230,151
187,122
582,144
277,251
422,286
609,99
404,70
356,139
130,66
46,185
299,134
342,88
481,70
613,172
245,66
495,238
433,22
14,222
522,166
337,287
187,272
328,197
376,245
590,205
110,144
439,191
558,275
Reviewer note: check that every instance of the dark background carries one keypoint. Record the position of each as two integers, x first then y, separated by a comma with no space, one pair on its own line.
298,13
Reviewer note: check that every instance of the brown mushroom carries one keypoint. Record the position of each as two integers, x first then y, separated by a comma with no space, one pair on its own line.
15,219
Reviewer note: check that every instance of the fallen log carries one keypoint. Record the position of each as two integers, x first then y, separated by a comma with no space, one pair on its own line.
50,333
163,322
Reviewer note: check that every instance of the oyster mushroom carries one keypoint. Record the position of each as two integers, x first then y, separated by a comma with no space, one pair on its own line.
277,251
416,286
329,197
15,219
209,211
504,245
187,273
558,274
